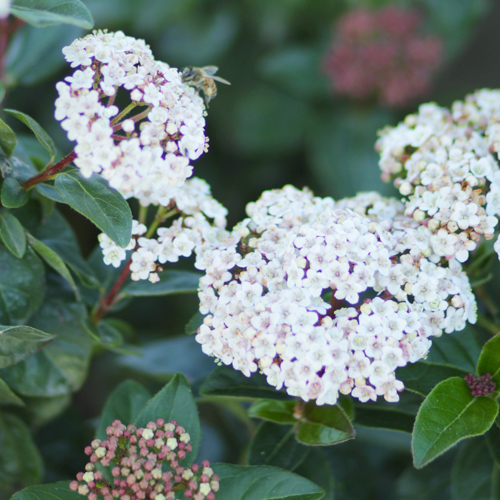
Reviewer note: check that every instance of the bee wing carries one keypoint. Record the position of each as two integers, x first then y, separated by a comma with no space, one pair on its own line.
210,70
219,79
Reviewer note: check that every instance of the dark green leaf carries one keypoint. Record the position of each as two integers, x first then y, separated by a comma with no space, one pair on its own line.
62,366
471,472
460,349
423,376
125,403
492,438
448,415
489,360
170,282
21,286
13,195
54,261
276,445
7,396
43,410
194,323
175,402
281,412
49,191
41,13
102,205
224,381
53,491
20,342
240,482
8,139
317,469
20,460
382,417
43,138
324,425
13,235
109,338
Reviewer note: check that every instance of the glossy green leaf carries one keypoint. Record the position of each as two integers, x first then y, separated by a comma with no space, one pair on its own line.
13,234
51,491
324,425
21,286
224,381
43,138
54,261
423,376
13,195
102,205
382,417
489,360
41,13
7,396
471,472
61,367
170,282
125,403
448,415
240,482
8,139
20,460
276,445
281,412
175,402
20,342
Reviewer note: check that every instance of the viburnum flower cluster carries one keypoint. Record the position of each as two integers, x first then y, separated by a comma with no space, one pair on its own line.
199,227
137,459
480,386
324,297
444,162
145,148
382,54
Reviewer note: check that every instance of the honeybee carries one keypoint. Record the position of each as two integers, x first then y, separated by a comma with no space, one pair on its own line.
203,79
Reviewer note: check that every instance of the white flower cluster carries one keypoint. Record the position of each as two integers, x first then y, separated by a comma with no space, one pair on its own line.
444,163
199,228
325,298
141,154
4,8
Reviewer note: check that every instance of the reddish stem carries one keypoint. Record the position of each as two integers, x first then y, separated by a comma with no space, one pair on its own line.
48,173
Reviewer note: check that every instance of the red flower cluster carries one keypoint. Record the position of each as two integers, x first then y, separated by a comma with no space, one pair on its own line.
380,54
137,457
480,386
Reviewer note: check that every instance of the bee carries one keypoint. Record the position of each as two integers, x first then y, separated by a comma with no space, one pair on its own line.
203,79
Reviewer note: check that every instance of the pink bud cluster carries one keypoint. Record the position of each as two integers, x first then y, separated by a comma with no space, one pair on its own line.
480,386
137,458
381,54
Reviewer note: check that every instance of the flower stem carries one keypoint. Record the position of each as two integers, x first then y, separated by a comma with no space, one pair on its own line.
50,172
161,215
124,113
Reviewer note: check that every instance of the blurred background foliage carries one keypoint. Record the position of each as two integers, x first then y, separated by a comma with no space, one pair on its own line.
279,122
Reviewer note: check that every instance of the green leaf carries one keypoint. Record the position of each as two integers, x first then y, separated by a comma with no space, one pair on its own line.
13,195
240,482
52,491
224,381
194,323
43,410
20,342
324,425
62,366
281,412
20,460
12,234
382,417
276,445
101,204
492,438
175,402
171,282
448,415
423,376
43,138
41,13
21,286
125,403
489,360
471,472
7,396
54,261
317,469
8,139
